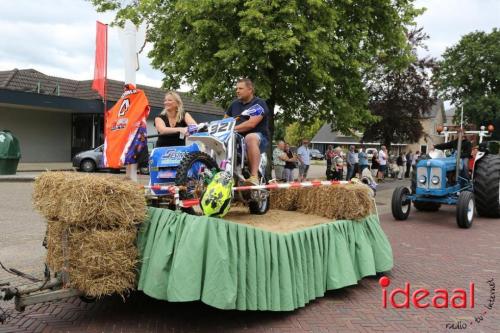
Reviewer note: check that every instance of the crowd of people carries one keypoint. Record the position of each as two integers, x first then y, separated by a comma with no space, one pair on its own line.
342,165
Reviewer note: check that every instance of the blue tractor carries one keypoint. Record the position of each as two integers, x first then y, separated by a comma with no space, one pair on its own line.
438,181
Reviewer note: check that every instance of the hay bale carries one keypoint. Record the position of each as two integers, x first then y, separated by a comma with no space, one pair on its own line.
284,199
45,185
350,201
89,200
100,262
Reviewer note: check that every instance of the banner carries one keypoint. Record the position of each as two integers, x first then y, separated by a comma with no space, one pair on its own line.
101,59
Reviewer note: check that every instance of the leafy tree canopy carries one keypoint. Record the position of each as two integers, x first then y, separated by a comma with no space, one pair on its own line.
469,75
399,98
307,56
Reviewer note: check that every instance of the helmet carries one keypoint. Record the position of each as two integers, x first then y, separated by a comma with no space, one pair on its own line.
216,200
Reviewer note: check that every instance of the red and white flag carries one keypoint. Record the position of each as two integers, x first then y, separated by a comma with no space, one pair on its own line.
101,59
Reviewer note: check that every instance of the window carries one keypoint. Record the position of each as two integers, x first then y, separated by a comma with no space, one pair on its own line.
423,149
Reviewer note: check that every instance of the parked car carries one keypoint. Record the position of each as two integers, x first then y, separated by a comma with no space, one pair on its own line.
90,160
316,155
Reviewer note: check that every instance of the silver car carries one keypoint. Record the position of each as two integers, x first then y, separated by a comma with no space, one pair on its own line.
90,160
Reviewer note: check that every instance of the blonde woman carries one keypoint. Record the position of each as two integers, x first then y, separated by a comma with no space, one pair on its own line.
172,123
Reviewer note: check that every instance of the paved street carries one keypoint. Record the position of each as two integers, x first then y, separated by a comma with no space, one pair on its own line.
430,251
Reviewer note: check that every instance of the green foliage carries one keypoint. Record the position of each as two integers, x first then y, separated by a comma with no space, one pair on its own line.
400,97
307,56
469,75
297,131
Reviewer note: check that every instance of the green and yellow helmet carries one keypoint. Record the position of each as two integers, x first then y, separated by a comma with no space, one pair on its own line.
216,200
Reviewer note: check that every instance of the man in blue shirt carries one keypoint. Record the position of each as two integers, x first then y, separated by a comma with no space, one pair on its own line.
304,156
255,129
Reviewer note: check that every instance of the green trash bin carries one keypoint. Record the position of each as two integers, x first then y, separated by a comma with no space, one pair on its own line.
10,154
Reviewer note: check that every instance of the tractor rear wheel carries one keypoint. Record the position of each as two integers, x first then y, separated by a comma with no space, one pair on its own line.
400,204
487,185
465,209
427,206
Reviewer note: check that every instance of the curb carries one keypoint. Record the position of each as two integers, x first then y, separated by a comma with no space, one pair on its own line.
26,176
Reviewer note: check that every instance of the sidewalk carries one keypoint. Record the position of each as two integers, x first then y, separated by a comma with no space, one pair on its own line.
26,172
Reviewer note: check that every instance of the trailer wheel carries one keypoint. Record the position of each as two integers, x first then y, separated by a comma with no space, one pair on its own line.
400,204
465,209
487,186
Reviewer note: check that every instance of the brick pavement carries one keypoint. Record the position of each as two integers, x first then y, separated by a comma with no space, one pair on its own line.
429,251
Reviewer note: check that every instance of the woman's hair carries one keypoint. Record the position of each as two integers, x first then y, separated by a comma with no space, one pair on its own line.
180,106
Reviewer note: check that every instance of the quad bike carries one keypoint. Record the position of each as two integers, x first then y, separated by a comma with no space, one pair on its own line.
211,148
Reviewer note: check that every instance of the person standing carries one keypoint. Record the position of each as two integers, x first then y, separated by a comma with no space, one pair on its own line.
351,162
414,160
363,161
409,157
290,164
382,159
329,155
304,156
375,164
400,162
279,160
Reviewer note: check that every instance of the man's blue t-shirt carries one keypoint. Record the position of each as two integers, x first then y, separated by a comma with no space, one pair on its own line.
237,107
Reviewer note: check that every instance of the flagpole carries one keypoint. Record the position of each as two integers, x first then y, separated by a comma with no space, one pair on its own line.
105,87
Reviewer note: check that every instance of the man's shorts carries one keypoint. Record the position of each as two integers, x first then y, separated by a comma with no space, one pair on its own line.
382,168
303,169
263,142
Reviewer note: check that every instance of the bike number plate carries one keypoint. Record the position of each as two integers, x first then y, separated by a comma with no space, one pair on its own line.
220,127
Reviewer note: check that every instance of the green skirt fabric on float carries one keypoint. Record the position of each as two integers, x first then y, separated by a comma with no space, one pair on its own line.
235,266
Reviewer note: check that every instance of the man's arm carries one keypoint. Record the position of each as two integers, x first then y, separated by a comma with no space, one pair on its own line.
248,124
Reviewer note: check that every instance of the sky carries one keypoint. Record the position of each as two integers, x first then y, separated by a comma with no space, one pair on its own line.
57,37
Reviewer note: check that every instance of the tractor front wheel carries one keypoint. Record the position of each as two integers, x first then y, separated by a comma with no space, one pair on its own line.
400,204
465,209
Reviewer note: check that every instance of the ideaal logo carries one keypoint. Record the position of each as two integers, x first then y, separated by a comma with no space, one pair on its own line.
458,298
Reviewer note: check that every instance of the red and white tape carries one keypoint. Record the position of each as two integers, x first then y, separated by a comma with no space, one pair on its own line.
193,202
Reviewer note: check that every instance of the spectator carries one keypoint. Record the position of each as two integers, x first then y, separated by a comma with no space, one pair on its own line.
290,164
409,157
382,160
279,160
338,166
375,164
329,155
351,162
414,160
304,156
363,161
401,163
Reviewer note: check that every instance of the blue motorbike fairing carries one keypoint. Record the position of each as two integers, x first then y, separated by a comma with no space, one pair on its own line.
164,162
221,129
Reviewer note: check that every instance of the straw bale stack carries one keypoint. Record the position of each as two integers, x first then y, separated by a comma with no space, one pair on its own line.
92,226
340,202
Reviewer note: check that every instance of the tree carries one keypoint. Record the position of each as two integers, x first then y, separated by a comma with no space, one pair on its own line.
469,76
399,98
305,56
297,131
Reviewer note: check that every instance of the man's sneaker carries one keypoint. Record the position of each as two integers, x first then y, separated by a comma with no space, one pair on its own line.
252,181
